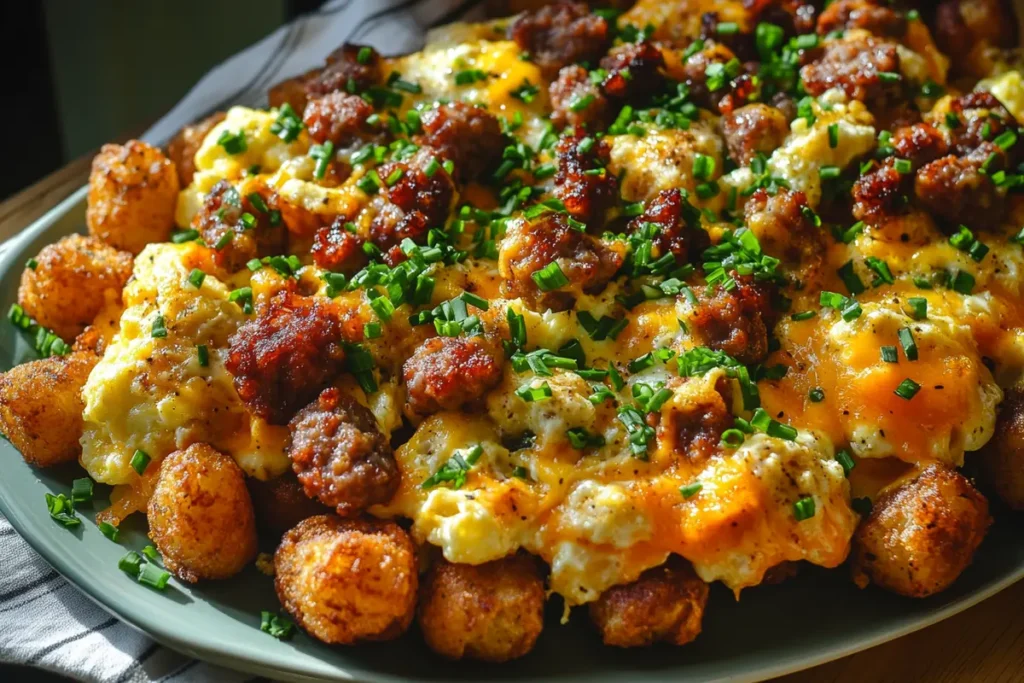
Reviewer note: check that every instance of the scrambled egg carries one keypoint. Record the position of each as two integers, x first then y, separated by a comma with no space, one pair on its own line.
151,392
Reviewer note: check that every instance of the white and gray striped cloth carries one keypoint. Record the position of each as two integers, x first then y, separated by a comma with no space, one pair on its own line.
46,622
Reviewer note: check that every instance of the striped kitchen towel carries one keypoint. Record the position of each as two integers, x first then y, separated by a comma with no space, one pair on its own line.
46,622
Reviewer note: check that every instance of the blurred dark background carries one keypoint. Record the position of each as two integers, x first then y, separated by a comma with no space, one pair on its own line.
78,74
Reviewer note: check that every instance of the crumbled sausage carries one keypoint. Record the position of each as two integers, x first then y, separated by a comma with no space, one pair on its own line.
634,71
678,223
340,118
414,203
445,373
576,100
183,147
962,25
736,321
855,65
880,194
235,229
694,73
559,34
467,135
585,196
794,16
694,431
283,358
753,129
344,71
530,245
921,143
784,228
870,15
340,455
982,119
337,249
956,192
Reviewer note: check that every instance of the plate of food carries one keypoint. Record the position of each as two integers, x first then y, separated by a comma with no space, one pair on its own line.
673,340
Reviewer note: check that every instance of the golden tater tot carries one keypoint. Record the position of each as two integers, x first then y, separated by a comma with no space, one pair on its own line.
183,147
922,535
41,407
133,192
200,515
492,612
71,281
666,604
1002,458
346,581
281,503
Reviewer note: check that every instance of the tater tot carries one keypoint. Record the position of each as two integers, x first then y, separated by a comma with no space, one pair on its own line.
133,192
666,604
201,516
346,581
922,535
1002,458
183,147
41,407
71,281
492,612
281,503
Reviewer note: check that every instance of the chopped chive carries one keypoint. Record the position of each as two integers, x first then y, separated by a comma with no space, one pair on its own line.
833,135
196,278
803,509
62,510
233,143
703,166
962,282
918,307
31,264
140,460
907,389
224,240
154,576
844,458
889,77
131,564
817,395
906,338
81,490
278,626
159,328
203,355
690,490
803,315
109,530
534,394
889,354
902,166
550,277
828,172
182,236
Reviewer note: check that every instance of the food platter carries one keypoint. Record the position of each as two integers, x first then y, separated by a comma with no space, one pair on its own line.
771,631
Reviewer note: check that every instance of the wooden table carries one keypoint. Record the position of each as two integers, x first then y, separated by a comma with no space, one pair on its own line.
985,644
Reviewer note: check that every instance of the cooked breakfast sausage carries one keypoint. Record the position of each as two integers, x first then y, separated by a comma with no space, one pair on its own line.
1002,458
347,580
782,226
666,604
41,407
559,34
445,373
880,194
735,321
633,71
342,119
694,74
869,15
235,229
419,199
73,279
854,65
468,135
963,25
921,143
493,612
200,516
133,194
531,245
284,357
281,503
982,118
351,68
338,249
576,100
583,182
183,147
678,223
794,16
753,129
921,536
340,455
694,431
957,192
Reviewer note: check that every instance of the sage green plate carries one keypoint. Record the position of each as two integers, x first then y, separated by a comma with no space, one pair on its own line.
774,630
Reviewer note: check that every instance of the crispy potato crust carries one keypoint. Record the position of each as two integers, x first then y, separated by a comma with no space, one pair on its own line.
346,581
493,612
666,604
200,516
921,536
71,282
41,407
1002,458
133,192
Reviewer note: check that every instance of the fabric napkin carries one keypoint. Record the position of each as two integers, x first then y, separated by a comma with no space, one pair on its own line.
45,621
